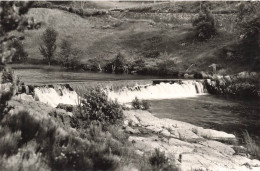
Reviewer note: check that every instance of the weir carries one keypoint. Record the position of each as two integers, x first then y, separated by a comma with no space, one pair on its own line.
162,90
122,91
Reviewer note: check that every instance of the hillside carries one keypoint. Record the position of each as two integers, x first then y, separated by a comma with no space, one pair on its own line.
102,37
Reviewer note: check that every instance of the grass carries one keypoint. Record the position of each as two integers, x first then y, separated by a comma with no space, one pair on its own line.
251,146
51,145
132,38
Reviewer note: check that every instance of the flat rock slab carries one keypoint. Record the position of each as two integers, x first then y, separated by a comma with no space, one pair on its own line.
188,146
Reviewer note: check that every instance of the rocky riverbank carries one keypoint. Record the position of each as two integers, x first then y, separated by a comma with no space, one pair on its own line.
241,84
188,146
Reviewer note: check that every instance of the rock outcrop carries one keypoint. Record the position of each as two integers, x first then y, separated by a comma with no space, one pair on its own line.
241,84
189,146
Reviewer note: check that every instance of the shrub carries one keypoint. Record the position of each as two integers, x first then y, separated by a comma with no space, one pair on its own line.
158,159
98,107
204,24
146,105
138,66
7,76
48,48
140,104
251,145
136,103
167,67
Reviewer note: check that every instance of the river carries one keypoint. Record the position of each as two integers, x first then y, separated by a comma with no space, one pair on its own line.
217,112
220,113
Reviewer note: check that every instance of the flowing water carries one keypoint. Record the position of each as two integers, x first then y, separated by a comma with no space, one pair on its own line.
186,100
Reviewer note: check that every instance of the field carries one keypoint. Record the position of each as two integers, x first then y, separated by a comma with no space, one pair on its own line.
136,36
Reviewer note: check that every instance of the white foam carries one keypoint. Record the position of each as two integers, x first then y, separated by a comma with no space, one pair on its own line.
51,97
159,91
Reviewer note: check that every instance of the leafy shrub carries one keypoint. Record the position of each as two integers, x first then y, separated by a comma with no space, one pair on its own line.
4,98
136,103
140,104
146,105
204,24
138,66
98,107
167,67
7,76
48,48
158,158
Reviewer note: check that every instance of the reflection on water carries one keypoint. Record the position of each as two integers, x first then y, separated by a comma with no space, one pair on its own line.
43,76
230,115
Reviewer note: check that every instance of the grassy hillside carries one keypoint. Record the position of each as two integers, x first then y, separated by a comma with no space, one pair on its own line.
103,37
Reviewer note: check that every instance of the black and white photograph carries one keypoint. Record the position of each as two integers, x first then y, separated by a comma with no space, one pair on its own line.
129,85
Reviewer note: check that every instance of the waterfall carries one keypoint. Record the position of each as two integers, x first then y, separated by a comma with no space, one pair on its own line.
55,95
184,89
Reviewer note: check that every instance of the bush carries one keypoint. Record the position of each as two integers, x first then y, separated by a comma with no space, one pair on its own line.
204,24
48,48
7,76
98,107
251,145
167,67
138,66
140,104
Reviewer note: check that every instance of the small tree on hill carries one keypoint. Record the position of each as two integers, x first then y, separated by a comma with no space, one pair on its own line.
119,63
20,54
204,24
68,56
48,48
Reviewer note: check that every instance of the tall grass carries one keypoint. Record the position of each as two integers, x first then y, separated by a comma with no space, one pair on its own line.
251,146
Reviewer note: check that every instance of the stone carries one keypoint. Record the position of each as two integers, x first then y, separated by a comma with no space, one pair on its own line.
165,133
131,130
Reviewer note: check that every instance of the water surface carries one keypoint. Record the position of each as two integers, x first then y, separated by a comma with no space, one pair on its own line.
216,112
45,76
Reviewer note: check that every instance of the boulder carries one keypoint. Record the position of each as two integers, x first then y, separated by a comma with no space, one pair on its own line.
25,97
131,130
189,76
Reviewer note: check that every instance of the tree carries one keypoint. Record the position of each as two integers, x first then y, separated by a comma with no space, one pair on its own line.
11,18
119,63
68,56
248,22
204,24
20,54
48,48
